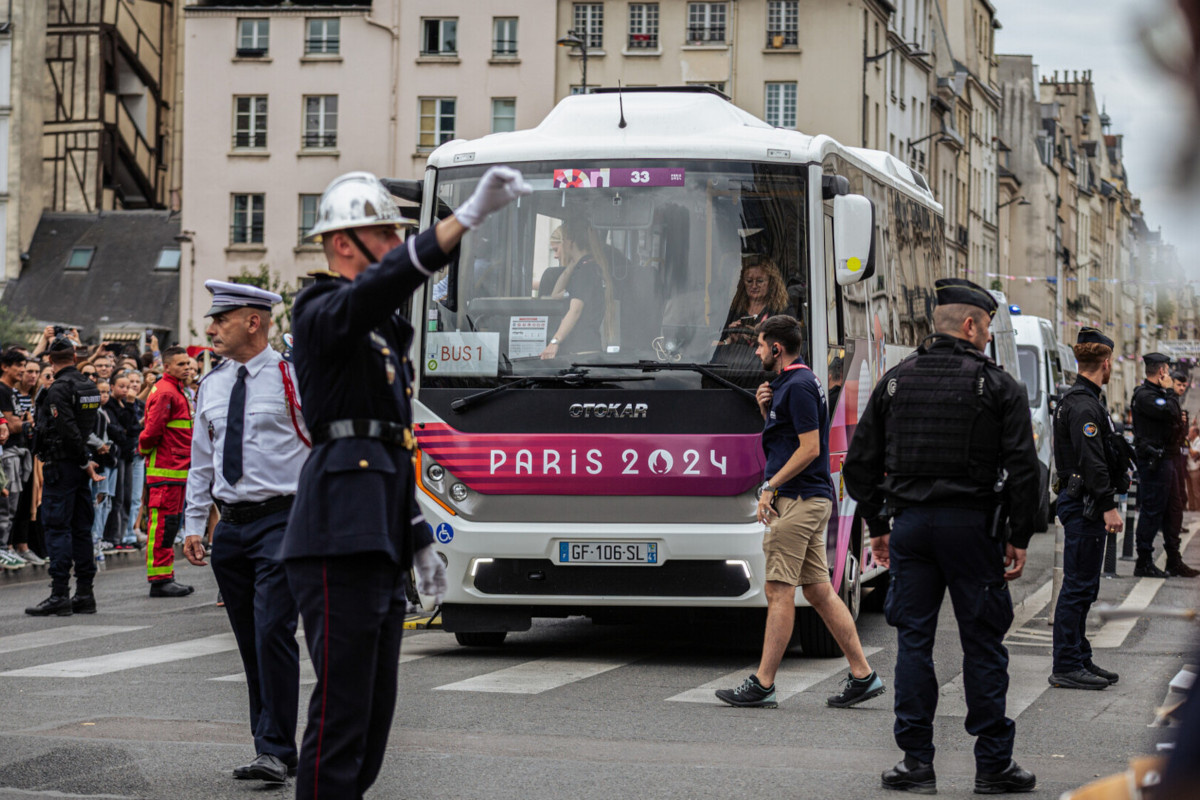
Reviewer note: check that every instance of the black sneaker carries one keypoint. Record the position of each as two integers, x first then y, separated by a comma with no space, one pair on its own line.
911,775
1100,672
1012,779
56,605
1079,679
1145,568
170,589
856,690
751,694
83,604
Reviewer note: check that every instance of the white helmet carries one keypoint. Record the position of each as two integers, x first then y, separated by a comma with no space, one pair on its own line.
356,200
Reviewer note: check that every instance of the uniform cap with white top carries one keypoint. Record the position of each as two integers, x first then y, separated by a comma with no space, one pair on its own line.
228,296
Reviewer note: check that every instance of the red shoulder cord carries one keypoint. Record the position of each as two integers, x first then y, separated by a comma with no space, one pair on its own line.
289,391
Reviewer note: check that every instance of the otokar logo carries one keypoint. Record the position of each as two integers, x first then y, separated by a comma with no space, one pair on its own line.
609,410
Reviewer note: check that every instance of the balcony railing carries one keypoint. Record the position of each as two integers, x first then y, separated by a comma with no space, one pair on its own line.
240,233
706,33
643,41
447,50
777,39
251,52
502,48
244,140
319,140
322,46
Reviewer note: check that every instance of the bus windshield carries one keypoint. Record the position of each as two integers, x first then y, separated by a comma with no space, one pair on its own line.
618,263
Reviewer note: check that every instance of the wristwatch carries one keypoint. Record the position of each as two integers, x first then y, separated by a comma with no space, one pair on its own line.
554,340
766,487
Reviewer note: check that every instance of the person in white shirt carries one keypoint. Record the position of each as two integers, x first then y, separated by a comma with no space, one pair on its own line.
248,445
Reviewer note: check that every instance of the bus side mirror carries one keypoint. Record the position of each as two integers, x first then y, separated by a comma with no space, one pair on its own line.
853,238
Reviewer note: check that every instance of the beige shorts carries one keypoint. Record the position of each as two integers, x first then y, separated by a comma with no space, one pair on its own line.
795,542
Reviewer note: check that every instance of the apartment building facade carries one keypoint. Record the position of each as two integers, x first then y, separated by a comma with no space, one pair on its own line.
281,98
22,50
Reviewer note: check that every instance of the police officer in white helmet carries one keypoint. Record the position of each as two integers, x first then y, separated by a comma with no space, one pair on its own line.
355,529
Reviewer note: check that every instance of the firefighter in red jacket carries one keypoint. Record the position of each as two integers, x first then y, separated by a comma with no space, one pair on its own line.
166,441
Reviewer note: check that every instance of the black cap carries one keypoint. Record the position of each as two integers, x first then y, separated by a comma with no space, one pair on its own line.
1154,359
955,291
61,344
1093,336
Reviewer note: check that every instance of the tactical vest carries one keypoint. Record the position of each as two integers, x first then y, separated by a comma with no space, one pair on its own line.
937,425
1066,460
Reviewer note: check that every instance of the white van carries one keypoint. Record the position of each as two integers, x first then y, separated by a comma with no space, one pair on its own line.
1003,347
1042,371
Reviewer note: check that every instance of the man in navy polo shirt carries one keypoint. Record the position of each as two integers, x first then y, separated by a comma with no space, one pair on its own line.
796,502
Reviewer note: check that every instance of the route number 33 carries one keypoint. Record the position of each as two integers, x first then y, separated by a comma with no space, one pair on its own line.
639,176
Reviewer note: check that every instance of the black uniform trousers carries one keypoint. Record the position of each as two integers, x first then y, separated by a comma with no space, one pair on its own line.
1176,504
67,514
253,583
1083,558
353,609
933,549
1154,494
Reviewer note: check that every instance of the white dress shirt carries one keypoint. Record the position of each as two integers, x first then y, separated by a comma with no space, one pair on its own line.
272,453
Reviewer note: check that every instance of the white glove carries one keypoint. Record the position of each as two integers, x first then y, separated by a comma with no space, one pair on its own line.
431,577
498,187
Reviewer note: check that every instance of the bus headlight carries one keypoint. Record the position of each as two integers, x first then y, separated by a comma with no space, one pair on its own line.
458,492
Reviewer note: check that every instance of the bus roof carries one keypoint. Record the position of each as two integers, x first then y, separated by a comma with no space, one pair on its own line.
669,124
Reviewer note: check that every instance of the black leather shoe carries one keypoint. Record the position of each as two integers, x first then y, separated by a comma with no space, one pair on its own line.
84,604
1145,568
264,768
1100,672
911,775
1079,679
169,589
1012,779
1177,569
56,605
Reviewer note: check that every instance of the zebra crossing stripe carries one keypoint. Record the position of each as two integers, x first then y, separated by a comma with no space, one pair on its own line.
412,648
64,635
535,677
1026,683
129,659
794,676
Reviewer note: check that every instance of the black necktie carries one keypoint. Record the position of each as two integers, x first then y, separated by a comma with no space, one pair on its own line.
235,427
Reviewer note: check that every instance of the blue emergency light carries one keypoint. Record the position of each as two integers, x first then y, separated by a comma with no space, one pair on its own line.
1014,309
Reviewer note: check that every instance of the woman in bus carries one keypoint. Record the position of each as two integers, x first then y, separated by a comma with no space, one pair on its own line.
582,281
760,294
549,278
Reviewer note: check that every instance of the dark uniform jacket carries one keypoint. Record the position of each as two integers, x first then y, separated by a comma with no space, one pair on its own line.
66,414
1081,428
1003,398
1157,419
350,350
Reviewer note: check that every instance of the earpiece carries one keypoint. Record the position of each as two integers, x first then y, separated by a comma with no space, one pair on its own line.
775,350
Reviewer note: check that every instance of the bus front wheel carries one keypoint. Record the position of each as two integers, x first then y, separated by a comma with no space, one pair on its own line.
481,638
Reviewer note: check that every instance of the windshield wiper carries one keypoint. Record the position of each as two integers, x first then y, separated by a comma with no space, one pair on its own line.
570,377
674,366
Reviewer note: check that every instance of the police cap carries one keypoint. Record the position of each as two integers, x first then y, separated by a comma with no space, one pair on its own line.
228,296
1093,336
61,344
1152,360
955,291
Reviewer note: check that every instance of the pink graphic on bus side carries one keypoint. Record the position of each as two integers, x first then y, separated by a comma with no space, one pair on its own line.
597,464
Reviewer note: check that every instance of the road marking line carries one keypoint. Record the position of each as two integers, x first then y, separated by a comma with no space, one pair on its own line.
794,676
1026,683
129,659
1140,596
430,644
307,675
1028,608
63,635
535,677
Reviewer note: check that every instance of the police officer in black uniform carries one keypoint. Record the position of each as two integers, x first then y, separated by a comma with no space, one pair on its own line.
1156,422
65,416
1093,463
355,529
945,448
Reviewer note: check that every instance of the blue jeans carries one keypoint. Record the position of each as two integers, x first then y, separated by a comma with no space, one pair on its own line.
102,498
932,550
1083,558
137,480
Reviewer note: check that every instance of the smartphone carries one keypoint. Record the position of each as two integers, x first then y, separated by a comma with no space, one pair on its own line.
59,330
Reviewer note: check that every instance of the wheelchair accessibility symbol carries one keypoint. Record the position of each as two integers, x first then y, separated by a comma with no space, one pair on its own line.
444,533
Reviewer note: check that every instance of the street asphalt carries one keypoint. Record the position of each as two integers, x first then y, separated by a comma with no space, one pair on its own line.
566,710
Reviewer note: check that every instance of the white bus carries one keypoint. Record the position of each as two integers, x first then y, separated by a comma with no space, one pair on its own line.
619,475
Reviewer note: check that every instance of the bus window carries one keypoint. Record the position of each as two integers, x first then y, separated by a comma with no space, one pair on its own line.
620,263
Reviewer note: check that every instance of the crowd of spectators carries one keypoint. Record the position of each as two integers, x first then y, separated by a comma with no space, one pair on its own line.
124,377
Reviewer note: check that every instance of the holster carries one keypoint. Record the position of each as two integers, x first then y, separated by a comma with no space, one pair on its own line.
1075,488
1150,455
998,528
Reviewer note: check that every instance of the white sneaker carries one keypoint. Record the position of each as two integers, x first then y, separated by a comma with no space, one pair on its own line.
31,557
10,560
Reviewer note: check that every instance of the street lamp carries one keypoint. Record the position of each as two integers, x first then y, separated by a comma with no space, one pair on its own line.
911,48
573,40
1019,200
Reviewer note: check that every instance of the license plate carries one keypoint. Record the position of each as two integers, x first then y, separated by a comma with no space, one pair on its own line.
635,553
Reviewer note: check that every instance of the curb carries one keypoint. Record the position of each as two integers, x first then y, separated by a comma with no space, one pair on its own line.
32,573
